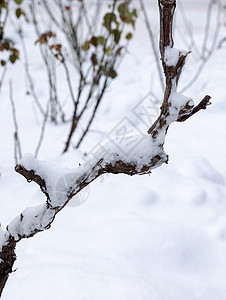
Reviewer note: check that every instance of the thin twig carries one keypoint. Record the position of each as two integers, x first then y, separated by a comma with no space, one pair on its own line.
28,74
48,61
3,75
207,27
153,44
2,27
93,114
189,29
17,144
41,137
95,81
206,57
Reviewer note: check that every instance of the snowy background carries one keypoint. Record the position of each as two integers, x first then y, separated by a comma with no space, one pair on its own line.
159,237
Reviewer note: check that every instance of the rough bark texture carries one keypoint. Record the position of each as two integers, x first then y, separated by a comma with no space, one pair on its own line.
202,105
170,112
172,73
7,259
166,11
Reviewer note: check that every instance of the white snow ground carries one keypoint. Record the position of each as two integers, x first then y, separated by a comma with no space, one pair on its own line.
157,237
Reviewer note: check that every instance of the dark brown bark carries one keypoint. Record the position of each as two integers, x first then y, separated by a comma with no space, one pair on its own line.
166,10
172,73
7,259
184,111
202,105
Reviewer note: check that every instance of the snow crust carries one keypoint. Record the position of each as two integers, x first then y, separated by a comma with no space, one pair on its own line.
31,219
3,238
172,55
140,155
52,174
178,100
59,181
160,237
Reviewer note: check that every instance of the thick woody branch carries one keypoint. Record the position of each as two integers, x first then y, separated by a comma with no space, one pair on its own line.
51,180
7,259
175,106
31,176
166,10
149,153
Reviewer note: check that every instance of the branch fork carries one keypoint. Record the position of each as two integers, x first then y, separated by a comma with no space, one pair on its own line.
175,106
149,154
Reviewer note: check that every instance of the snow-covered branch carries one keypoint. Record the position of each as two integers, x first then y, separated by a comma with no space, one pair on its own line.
145,157
141,160
175,106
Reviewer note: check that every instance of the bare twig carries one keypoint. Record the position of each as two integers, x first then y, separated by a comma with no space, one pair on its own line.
93,114
99,81
153,44
3,22
28,74
207,27
207,53
49,62
41,137
17,145
3,75
191,44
